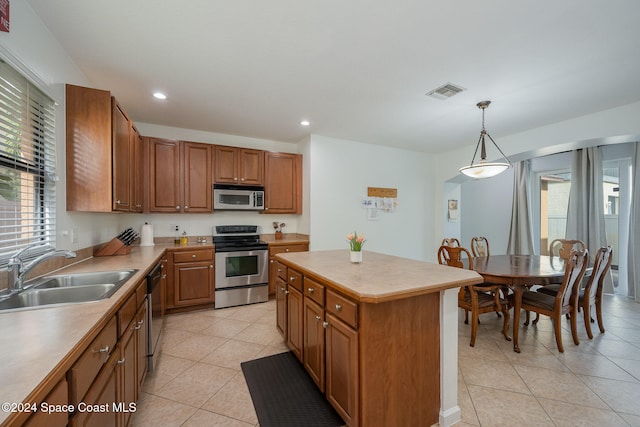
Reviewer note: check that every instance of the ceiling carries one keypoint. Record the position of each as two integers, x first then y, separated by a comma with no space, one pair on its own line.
356,69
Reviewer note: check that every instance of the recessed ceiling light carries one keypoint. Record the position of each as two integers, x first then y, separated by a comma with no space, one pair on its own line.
160,95
305,123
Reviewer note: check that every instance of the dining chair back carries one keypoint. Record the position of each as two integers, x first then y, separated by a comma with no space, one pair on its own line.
480,246
591,295
453,256
450,241
565,301
563,247
477,299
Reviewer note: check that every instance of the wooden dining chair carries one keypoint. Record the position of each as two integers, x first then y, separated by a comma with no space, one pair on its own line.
591,294
565,301
477,299
480,246
450,241
563,247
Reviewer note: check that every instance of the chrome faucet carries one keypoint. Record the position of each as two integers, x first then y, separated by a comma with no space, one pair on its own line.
18,270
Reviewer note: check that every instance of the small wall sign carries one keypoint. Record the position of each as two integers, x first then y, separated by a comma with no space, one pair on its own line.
4,16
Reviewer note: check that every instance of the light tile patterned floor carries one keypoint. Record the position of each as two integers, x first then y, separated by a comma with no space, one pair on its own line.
198,381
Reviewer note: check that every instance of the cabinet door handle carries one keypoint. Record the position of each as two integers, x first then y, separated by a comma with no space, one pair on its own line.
193,256
235,178
241,179
122,361
338,307
210,265
310,290
103,350
292,279
164,276
279,270
286,292
286,250
318,318
325,324
177,207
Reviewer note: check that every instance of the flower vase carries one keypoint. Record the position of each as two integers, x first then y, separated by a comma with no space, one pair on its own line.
278,235
356,257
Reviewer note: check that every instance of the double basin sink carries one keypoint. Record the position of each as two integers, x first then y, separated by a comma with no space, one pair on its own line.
67,288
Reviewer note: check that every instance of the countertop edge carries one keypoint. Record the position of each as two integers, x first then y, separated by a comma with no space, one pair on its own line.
380,297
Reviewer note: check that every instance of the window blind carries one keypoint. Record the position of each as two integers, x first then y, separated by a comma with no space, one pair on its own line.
27,165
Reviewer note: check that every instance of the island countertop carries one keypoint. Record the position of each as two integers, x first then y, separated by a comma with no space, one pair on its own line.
380,277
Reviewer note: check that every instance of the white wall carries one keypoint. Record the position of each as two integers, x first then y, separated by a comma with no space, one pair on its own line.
486,211
340,173
32,49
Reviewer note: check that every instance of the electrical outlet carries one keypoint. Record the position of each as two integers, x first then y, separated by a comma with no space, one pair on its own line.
174,227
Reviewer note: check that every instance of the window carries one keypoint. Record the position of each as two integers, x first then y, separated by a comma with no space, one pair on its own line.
554,200
27,164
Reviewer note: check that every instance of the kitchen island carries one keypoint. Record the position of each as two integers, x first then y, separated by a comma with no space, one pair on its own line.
379,338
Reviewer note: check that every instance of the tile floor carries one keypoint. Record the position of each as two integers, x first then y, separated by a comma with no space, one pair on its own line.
198,381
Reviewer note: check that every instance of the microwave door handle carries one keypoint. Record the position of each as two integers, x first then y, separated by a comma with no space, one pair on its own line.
255,198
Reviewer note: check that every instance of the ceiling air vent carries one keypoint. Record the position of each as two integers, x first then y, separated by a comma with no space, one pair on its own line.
445,91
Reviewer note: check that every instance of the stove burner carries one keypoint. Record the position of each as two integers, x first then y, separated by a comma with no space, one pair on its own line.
232,238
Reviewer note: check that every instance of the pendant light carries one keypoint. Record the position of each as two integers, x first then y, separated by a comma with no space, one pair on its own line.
484,169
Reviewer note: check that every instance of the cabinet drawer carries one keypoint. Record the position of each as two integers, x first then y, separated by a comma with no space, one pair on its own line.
281,269
342,308
279,249
141,292
57,396
314,290
83,372
126,314
190,256
295,279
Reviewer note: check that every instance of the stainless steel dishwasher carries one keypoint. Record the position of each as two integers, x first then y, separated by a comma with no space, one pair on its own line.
155,313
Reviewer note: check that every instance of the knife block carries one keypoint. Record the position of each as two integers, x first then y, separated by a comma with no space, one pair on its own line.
113,247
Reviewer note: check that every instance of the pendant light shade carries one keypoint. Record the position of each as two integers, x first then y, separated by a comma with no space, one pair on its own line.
484,169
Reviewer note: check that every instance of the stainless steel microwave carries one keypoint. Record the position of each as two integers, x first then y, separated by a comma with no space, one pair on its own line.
238,197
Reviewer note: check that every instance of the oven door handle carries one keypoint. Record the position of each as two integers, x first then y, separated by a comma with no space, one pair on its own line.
242,249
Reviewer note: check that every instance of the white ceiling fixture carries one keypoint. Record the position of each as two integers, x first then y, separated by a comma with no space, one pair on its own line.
445,91
305,122
484,169
159,95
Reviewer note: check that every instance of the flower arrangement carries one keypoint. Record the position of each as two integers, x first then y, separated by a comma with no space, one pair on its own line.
355,241
278,226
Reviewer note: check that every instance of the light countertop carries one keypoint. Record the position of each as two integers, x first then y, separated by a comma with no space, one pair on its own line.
379,277
35,343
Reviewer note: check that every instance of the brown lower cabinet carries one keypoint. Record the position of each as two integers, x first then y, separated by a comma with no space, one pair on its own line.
105,381
342,369
57,397
377,363
323,336
279,248
190,278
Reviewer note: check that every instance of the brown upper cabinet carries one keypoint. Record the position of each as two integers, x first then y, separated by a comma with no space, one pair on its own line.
235,165
102,167
180,176
283,183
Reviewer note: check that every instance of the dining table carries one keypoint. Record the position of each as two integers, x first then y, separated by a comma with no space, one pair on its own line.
518,272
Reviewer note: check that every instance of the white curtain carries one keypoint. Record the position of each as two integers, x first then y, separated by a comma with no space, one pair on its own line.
634,227
585,215
521,232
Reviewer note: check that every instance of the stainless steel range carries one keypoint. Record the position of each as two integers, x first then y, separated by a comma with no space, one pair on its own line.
242,266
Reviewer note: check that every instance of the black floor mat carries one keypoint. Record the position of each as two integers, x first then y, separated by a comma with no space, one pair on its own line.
284,394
